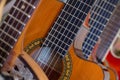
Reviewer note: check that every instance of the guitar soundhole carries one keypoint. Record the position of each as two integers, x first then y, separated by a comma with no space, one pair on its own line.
50,62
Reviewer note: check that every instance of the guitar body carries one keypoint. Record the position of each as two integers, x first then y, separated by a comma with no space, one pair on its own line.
39,26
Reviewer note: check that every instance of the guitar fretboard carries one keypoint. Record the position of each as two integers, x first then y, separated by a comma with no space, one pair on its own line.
100,15
109,34
67,25
13,25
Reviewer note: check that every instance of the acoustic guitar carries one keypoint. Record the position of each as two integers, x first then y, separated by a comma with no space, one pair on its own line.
51,51
15,63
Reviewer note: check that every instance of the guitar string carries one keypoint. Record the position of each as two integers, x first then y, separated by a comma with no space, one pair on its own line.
46,52
102,17
92,11
15,20
4,30
48,49
18,3
18,15
55,63
104,36
58,56
54,57
9,21
112,32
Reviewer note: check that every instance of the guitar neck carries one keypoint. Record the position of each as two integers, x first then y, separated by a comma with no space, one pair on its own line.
109,34
67,25
100,15
13,25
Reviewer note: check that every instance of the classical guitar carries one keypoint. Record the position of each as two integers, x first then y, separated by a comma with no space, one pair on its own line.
49,52
15,61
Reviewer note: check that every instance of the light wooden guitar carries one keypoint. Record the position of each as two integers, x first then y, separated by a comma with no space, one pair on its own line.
49,53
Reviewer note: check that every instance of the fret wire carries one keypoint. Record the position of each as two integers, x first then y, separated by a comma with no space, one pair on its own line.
76,9
12,27
22,11
99,15
112,21
4,50
26,7
73,14
58,39
19,12
10,31
98,29
106,34
110,3
96,22
107,39
54,25
48,50
34,2
96,10
108,31
114,29
88,45
8,35
100,10
64,28
29,4
57,51
8,38
8,20
6,43
16,19
103,9
57,44
69,21
2,58
5,46
90,40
